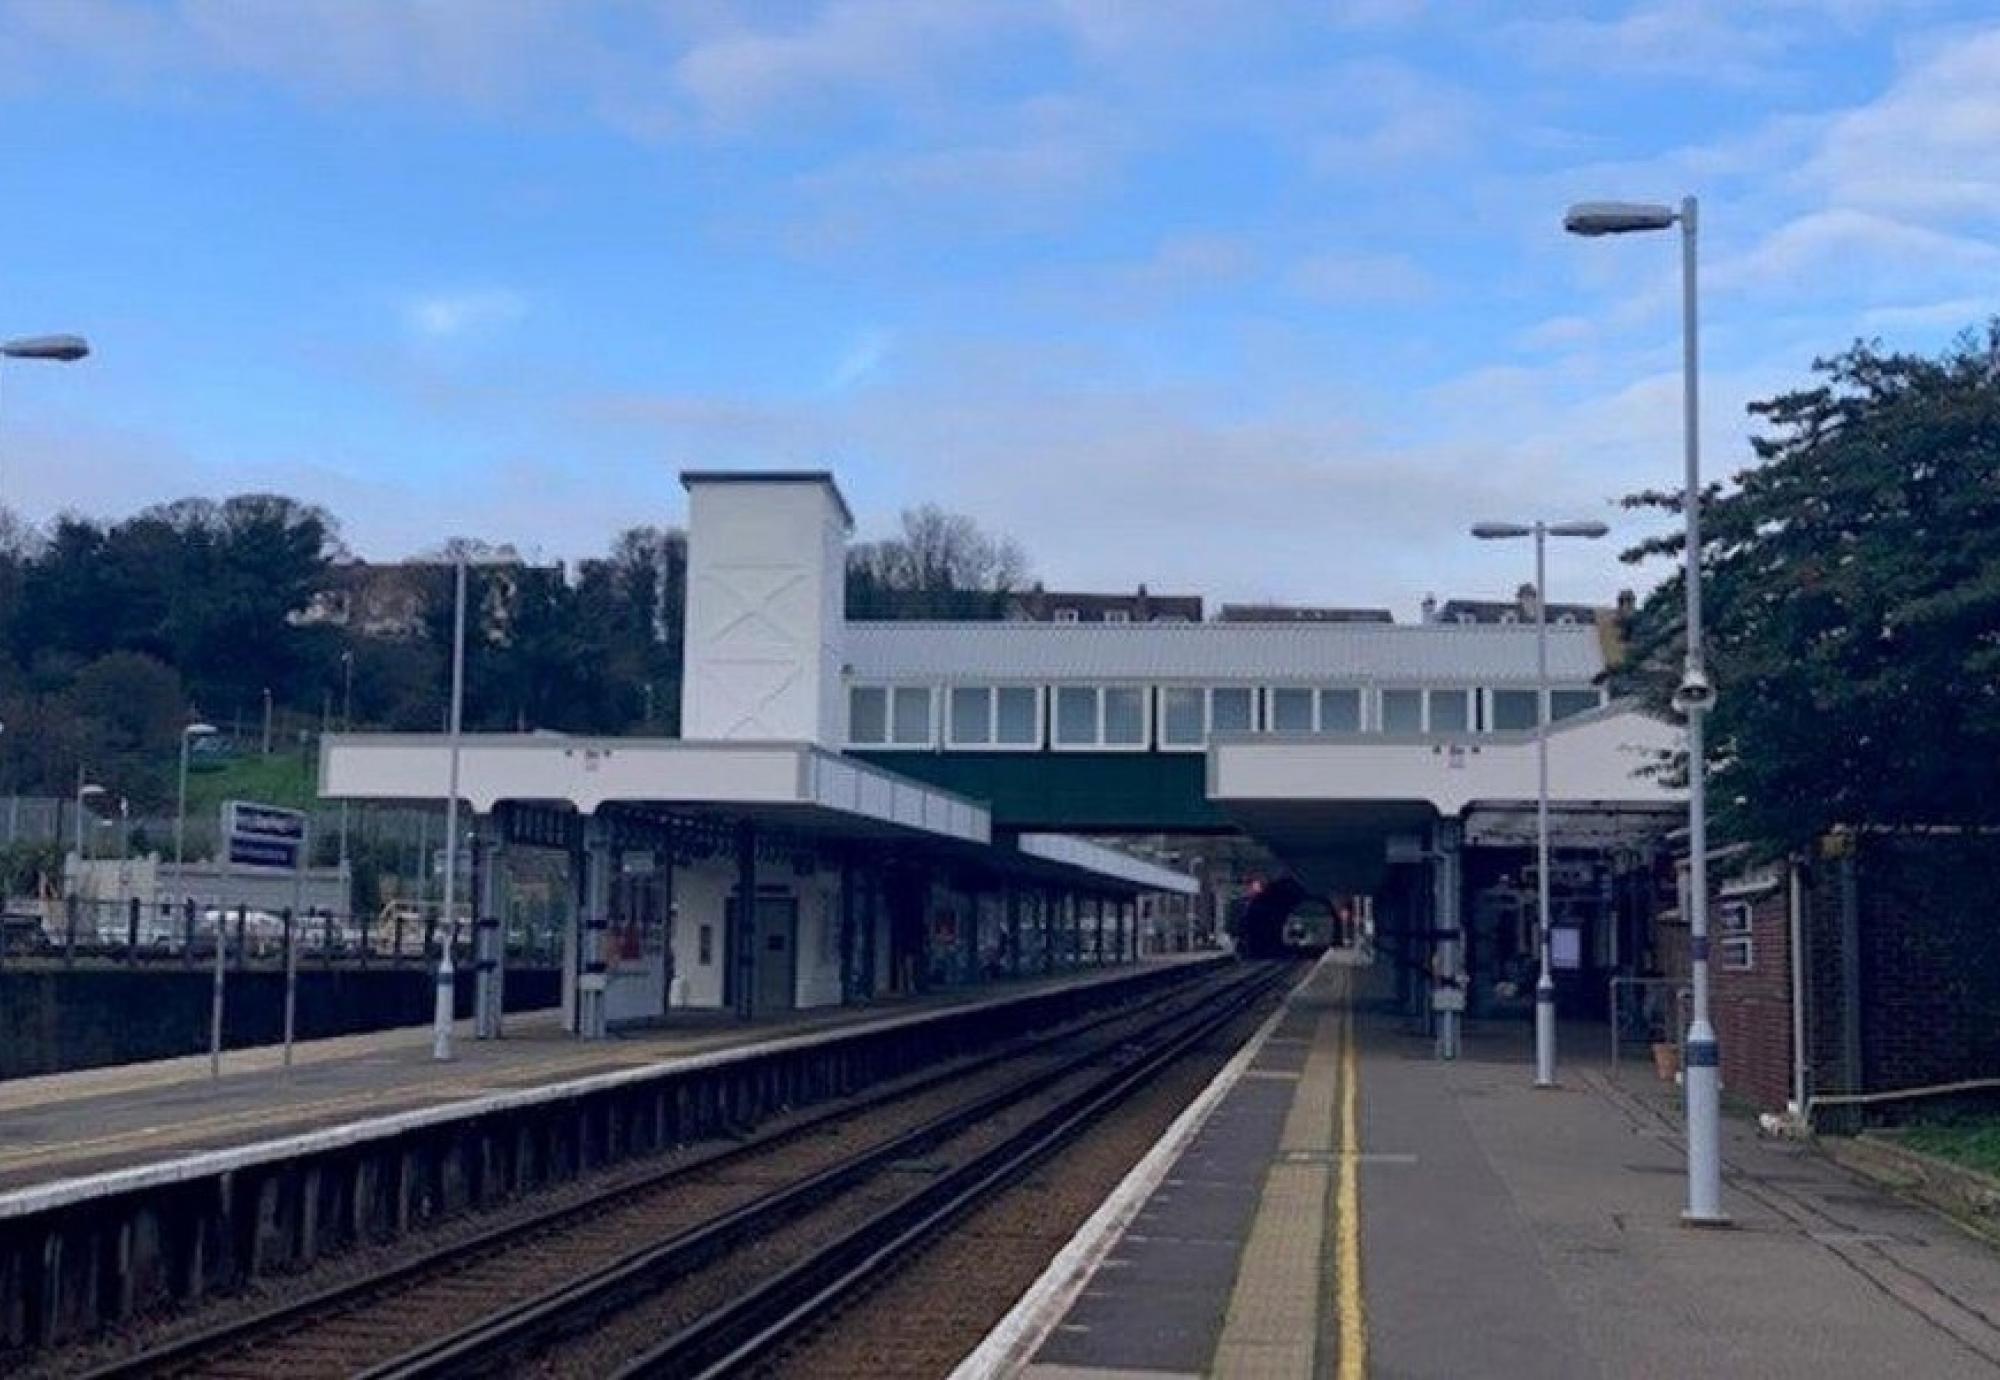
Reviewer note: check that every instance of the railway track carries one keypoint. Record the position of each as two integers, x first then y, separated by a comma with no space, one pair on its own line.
684,1229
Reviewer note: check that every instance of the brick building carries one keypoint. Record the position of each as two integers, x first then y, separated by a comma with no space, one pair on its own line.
1900,961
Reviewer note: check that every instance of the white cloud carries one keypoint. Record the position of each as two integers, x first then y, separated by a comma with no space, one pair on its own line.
862,357
447,316
1930,146
846,48
1357,279
1847,253
1703,39
1557,333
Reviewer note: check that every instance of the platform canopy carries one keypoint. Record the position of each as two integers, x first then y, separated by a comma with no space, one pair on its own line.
1328,805
798,786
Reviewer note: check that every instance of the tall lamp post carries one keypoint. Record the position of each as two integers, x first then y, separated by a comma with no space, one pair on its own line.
188,735
1694,698
84,791
346,726
442,1010
1545,982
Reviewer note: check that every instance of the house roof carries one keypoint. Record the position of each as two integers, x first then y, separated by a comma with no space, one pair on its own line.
1369,653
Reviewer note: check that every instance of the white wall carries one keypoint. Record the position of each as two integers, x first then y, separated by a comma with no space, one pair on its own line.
701,897
819,940
1598,758
765,604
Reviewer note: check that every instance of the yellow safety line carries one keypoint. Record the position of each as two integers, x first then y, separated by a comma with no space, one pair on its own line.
1353,1327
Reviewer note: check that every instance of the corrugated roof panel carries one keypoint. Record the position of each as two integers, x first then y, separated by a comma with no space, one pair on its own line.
1368,653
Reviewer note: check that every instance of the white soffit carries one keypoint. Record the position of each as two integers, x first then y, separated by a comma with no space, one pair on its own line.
1606,757
590,772
1107,862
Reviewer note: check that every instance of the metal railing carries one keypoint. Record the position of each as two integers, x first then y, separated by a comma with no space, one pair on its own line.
1682,995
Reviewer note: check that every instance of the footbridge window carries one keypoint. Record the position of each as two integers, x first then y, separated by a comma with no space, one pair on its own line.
889,716
1402,711
1103,716
994,716
1450,711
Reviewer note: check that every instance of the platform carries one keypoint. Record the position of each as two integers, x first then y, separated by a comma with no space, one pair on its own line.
1339,1204
96,1120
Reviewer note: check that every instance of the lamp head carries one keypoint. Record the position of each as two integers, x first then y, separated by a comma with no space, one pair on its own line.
200,731
1578,529
86,792
62,349
1497,531
1593,218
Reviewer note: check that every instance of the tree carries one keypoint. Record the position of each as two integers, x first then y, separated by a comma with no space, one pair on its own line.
941,565
1852,601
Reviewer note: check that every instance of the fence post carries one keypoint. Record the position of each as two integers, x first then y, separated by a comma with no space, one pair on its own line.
215,997
188,914
242,934
291,985
132,930
326,941
396,941
71,905
366,941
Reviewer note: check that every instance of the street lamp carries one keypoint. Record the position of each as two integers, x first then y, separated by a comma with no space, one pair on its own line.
346,726
1545,982
83,792
188,735
442,1009
49,349
57,349
1696,695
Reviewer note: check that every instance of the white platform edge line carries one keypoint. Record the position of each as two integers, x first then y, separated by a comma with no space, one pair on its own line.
34,1198
1011,1345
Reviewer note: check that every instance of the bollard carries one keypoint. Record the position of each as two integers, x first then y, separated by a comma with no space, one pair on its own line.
291,985
70,907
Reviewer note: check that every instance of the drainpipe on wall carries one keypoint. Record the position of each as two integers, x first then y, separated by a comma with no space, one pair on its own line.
1796,962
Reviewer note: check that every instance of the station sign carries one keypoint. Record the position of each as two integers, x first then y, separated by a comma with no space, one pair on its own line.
263,835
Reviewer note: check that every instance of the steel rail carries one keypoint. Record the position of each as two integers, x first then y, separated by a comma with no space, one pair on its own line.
484,1347
186,1352
731,1338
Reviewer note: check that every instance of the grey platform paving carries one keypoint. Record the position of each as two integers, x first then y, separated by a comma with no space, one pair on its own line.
1508,1232
95,1120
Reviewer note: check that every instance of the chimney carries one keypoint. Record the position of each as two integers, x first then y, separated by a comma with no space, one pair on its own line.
1524,598
1430,608
1628,603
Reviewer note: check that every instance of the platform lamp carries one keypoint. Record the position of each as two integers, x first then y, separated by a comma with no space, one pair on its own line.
441,1011
188,735
1695,697
84,791
1545,982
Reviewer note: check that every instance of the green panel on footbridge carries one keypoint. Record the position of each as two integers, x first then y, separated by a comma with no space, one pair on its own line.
1128,792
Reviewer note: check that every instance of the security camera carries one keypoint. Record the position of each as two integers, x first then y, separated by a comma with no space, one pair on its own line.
1695,692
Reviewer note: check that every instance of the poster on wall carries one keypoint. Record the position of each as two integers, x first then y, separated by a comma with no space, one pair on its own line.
1566,948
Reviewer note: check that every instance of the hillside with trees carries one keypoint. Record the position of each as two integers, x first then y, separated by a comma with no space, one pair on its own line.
114,634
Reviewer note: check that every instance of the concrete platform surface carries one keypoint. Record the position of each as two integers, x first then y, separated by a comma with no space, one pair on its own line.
1348,1206
96,1120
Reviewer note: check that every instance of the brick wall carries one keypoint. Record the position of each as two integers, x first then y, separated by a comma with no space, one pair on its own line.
1930,949
1752,1007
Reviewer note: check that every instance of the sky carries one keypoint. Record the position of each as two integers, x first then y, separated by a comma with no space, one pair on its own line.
1256,300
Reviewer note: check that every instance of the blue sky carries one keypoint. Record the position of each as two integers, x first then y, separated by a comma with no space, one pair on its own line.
1262,300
